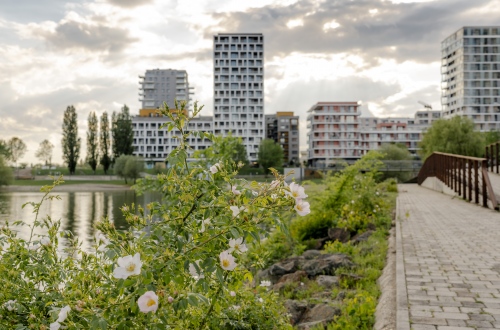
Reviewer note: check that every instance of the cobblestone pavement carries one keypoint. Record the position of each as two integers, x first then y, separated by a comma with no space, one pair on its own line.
451,268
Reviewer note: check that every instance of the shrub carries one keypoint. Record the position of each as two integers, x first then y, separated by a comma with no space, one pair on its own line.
177,266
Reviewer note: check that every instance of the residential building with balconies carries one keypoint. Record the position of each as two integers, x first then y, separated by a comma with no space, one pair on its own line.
239,88
470,76
283,128
163,85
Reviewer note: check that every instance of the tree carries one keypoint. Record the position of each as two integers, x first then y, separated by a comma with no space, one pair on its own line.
270,155
17,149
6,175
224,148
454,136
44,152
93,142
123,136
104,143
491,137
4,149
128,167
70,141
395,151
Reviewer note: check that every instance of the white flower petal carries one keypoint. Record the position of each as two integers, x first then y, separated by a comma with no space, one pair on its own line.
148,302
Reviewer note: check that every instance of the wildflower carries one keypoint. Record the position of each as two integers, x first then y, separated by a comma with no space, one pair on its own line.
10,305
235,191
215,168
236,210
101,240
195,273
128,266
261,300
352,202
235,307
204,223
302,207
255,193
301,283
63,314
236,245
265,283
227,260
296,191
148,302
232,294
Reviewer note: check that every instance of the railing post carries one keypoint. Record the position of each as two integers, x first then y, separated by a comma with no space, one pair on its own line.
484,165
459,177
469,168
476,181
497,158
464,177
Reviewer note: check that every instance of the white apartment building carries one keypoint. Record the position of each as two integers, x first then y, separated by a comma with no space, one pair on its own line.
470,71
337,132
154,144
163,85
239,88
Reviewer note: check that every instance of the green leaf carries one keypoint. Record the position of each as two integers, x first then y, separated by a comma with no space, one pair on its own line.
219,275
234,232
192,299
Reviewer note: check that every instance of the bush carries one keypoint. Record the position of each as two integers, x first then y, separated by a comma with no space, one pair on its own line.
178,265
6,175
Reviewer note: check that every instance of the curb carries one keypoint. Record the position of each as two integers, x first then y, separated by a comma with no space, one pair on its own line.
402,313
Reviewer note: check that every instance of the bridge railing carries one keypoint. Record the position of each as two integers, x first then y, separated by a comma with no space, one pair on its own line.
467,176
492,154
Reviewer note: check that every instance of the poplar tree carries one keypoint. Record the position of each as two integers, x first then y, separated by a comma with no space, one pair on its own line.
70,141
123,136
104,143
93,142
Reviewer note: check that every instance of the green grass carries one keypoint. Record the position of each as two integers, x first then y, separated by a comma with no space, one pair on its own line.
72,182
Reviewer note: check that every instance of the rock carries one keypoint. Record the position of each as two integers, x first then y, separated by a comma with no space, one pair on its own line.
296,309
326,264
319,314
339,234
283,267
298,276
311,254
362,237
327,281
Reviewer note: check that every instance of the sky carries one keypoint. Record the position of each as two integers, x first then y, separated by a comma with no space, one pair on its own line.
89,54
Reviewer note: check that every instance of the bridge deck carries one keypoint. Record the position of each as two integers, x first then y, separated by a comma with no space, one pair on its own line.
448,262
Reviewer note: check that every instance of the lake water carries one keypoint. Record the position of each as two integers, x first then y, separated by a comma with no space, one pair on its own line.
78,211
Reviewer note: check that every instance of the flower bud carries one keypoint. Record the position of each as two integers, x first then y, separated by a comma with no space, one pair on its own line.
170,299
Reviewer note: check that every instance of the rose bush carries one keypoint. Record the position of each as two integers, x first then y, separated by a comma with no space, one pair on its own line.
176,267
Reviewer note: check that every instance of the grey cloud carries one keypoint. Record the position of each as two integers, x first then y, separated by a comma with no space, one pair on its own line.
415,29
33,10
96,38
129,3
407,105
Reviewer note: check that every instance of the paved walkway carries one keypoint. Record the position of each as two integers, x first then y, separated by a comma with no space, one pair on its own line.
448,262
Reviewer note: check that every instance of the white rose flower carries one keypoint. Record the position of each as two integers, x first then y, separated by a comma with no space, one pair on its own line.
302,207
236,210
55,326
237,246
10,305
215,168
296,191
265,283
148,302
193,272
63,314
128,266
235,191
227,260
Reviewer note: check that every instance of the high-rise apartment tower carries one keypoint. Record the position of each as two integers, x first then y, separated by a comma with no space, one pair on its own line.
163,85
239,88
470,71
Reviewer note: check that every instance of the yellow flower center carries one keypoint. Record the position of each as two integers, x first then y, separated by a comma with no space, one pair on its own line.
299,207
130,267
236,246
225,263
151,302
295,194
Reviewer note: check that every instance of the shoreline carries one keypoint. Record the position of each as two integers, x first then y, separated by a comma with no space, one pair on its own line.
68,188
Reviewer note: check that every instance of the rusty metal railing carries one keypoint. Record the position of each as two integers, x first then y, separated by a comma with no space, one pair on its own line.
467,176
492,154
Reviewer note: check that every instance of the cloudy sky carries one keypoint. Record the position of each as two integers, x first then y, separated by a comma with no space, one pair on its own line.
89,53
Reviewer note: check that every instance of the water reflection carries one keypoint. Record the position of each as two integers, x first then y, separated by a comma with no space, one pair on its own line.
78,211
